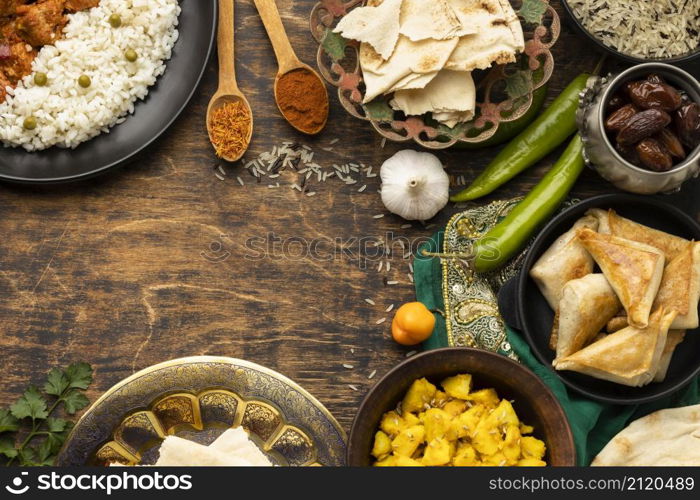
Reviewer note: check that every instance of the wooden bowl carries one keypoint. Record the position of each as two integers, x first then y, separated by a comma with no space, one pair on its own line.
533,401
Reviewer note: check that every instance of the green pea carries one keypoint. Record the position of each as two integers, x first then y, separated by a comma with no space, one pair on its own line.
131,55
41,79
115,20
29,123
84,81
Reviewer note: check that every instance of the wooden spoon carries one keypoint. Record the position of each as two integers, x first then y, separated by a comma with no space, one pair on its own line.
228,90
287,60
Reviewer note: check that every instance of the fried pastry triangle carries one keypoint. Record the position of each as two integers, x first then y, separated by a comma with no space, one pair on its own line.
633,269
611,223
630,356
586,306
680,287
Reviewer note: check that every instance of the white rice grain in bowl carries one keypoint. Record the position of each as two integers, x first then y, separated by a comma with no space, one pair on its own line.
67,114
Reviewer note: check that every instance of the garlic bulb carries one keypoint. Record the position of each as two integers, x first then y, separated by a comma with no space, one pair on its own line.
415,185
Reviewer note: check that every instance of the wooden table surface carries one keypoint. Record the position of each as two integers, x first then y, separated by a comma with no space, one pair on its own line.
148,263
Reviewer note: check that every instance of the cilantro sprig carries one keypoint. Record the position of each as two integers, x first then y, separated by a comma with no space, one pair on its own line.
31,433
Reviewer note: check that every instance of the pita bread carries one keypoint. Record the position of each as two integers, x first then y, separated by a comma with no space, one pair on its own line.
664,438
564,261
674,338
680,287
633,269
586,306
236,442
630,356
413,81
499,36
377,26
450,91
423,57
452,118
435,19
178,452
612,223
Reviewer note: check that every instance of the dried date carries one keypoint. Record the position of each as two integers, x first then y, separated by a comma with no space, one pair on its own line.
687,121
671,143
653,156
654,95
617,120
643,125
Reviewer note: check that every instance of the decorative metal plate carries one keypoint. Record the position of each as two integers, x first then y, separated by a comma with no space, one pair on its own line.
504,93
198,398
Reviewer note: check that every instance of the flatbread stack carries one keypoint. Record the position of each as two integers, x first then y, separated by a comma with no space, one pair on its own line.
623,323
233,448
668,438
424,51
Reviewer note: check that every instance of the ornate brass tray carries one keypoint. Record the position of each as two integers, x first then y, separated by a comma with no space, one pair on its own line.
504,93
198,398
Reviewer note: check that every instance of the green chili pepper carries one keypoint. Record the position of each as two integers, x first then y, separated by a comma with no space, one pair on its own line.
507,130
510,235
551,129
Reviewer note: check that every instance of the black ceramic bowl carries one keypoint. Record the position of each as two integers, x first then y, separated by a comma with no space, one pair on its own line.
690,57
525,308
532,400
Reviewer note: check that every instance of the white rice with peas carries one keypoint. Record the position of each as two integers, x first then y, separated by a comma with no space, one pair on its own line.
68,114
647,29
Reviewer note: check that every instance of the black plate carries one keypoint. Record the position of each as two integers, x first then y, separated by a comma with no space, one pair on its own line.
525,308
164,103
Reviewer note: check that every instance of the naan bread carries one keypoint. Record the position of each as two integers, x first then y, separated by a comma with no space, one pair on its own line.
178,452
498,39
633,269
612,223
422,57
674,338
377,26
434,19
236,442
450,91
680,287
564,261
586,306
664,438
630,356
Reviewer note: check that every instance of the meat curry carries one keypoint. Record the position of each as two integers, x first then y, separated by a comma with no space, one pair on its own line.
25,27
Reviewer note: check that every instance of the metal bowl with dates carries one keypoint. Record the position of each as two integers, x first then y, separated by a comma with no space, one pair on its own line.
600,152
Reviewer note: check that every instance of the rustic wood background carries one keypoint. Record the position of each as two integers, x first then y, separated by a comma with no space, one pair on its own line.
147,264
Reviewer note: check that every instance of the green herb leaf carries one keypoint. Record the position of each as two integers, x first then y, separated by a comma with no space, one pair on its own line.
7,448
79,375
57,382
74,401
532,11
8,423
379,110
517,84
56,424
31,404
334,45
27,456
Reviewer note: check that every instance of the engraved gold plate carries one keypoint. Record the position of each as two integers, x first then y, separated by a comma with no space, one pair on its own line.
198,399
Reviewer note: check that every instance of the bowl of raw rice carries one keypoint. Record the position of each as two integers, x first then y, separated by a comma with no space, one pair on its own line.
640,31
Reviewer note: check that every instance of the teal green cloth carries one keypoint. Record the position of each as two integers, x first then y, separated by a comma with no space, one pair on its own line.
593,423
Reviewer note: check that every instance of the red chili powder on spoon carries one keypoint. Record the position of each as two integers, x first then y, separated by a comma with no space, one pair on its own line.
303,100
